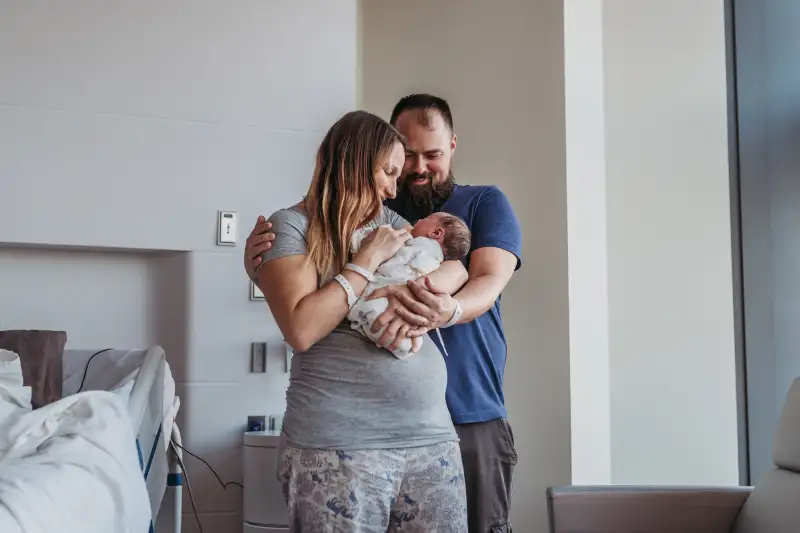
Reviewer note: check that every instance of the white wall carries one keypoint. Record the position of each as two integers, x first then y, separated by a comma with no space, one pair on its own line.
114,110
501,67
671,362
127,125
100,306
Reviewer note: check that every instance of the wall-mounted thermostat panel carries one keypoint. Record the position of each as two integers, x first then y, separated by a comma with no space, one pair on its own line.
226,228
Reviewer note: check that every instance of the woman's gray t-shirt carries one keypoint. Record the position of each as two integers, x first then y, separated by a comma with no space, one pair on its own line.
345,393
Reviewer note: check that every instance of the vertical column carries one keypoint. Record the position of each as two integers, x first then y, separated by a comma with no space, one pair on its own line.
586,216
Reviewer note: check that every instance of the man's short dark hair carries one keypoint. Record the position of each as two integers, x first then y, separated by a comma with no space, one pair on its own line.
426,102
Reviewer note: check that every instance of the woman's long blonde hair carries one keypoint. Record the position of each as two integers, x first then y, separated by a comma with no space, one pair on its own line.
343,195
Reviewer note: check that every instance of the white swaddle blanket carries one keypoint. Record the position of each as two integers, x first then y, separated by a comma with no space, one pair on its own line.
68,467
415,260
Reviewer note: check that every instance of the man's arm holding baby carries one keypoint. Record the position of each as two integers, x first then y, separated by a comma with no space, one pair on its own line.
496,248
448,279
490,270
429,305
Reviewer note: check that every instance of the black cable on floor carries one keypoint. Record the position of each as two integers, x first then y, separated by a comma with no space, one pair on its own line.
219,479
188,484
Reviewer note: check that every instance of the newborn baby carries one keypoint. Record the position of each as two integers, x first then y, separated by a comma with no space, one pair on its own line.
439,237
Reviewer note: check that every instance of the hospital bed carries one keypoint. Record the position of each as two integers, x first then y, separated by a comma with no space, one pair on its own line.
143,380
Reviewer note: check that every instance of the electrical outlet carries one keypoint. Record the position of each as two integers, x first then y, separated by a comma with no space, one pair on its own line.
258,357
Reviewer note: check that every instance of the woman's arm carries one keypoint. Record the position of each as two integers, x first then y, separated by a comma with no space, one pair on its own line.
304,313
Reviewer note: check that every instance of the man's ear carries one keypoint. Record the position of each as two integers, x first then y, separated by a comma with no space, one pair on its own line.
453,144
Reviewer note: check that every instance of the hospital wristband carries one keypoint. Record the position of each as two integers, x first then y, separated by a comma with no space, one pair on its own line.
456,315
361,271
348,289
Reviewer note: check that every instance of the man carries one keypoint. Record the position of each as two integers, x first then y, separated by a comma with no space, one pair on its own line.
476,344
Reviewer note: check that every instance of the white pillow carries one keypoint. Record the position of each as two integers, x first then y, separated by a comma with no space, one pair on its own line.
13,395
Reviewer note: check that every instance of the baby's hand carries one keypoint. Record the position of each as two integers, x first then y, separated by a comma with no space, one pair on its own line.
416,344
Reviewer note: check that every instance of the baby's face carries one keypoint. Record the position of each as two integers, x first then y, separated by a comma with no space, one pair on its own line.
430,227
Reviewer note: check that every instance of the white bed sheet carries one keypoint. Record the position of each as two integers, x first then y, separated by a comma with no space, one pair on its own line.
71,466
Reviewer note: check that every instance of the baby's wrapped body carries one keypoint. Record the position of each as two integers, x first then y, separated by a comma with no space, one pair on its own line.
436,238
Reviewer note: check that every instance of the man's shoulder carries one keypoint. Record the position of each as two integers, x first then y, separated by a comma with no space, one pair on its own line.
489,192
477,193
479,200
492,220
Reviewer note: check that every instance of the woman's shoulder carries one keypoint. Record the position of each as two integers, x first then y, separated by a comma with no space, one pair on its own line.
387,213
390,217
294,217
290,226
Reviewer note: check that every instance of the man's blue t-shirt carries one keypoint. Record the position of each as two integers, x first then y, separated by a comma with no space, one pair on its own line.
477,350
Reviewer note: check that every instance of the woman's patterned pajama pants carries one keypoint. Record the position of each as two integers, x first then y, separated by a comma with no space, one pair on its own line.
375,491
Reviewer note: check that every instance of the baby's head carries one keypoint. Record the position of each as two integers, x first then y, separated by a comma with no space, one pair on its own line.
449,231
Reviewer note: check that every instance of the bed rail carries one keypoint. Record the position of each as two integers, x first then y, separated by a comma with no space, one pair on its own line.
146,379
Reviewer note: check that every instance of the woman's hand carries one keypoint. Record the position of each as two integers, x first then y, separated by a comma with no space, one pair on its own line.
399,330
436,306
379,246
421,304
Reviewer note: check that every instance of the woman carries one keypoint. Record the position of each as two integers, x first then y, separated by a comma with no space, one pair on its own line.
368,440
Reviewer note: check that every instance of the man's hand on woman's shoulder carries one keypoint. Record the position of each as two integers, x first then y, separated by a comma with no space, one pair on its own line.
259,241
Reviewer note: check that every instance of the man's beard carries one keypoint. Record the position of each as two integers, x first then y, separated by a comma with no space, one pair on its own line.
424,199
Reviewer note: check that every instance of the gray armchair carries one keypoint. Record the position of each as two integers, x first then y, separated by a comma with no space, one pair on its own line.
772,506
